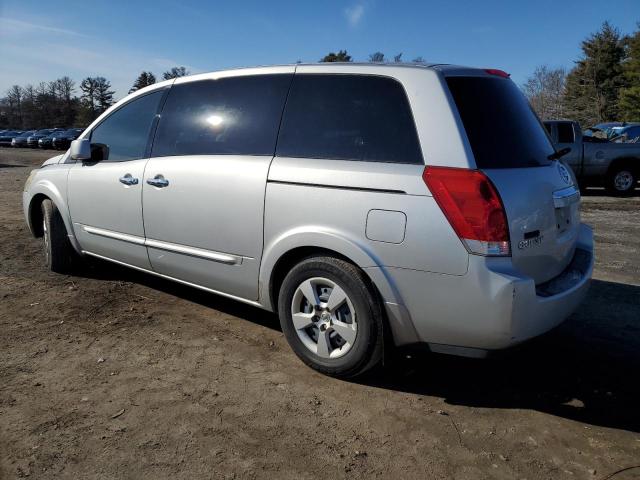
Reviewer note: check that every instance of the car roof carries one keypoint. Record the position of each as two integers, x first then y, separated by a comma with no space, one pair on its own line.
448,69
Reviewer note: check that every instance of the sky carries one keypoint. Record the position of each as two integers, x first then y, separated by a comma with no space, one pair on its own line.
43,40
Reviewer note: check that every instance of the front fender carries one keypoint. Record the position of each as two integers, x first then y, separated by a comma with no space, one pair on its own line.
55,190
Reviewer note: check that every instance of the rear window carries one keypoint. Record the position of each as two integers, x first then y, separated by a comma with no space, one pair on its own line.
503,130
565,133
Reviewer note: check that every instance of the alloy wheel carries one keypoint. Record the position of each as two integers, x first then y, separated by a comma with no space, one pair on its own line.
623,180
324,317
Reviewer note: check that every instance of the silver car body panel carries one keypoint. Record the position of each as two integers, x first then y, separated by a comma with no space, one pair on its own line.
97,199
224,222
214,203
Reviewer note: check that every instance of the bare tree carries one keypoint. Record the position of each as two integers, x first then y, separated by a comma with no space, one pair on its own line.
65,88
545,91
377,57
175,72
397,58
14,102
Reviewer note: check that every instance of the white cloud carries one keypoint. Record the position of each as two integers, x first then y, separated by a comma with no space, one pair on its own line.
13,27
354,14
33,52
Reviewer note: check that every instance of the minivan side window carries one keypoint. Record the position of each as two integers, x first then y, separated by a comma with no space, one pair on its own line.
348,117
227,116
565,132
124,134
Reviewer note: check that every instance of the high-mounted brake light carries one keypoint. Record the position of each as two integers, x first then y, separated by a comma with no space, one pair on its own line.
473,207
498,73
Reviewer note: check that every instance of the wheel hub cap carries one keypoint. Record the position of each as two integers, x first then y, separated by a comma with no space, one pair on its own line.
324,318
623,180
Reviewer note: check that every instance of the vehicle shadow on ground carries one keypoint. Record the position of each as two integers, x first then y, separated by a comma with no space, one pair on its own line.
103,270
586,370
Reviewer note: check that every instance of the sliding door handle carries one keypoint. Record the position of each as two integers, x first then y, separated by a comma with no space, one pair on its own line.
158,181
128,180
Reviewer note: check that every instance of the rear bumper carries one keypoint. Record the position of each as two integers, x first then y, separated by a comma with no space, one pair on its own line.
493,306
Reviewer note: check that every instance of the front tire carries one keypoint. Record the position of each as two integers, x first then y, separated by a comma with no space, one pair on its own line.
60,257
622,182
331,317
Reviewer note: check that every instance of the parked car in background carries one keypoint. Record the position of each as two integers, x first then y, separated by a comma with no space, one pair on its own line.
32,141
7,136
630,133
62,141
21,140
45,142
366,204
615,166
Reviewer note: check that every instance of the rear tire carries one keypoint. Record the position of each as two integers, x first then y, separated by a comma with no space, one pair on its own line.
622,181
340,331
60,257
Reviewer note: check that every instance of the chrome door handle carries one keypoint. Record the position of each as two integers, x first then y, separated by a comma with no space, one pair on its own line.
158,181
128,180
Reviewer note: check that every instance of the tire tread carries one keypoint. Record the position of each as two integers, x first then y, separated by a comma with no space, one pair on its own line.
373,351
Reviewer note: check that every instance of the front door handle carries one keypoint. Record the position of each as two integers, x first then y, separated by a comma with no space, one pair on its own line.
128,180
158,181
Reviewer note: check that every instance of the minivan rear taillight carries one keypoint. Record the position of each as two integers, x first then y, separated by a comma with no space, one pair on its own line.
473,207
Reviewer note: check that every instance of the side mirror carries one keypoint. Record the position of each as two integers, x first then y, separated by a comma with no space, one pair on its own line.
81,149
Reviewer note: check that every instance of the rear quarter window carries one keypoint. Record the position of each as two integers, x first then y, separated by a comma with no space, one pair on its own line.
348,117
503,130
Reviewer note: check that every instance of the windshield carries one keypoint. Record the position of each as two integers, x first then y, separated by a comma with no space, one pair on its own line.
503,130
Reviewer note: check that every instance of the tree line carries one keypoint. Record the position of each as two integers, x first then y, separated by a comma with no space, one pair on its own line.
59,103
603,85
376,57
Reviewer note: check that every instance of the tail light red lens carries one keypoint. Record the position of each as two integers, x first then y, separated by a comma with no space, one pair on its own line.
473,207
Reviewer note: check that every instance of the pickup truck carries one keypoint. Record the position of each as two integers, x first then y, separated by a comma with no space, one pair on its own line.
596,161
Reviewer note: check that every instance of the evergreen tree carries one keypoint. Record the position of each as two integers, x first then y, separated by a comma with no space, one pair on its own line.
104,94
341,56
88,100
593,84
96,97
630,94
144,80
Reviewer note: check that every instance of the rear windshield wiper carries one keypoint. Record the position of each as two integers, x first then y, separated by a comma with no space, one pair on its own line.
559,154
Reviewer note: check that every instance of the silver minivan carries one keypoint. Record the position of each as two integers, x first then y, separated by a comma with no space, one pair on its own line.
368,205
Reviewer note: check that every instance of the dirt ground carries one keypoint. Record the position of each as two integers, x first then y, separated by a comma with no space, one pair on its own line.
116,374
